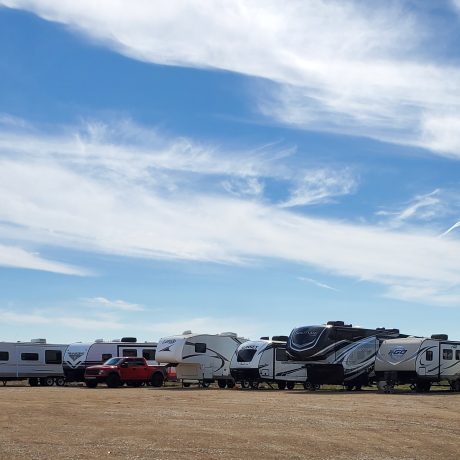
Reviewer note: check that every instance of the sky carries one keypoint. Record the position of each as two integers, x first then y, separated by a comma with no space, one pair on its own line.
245,166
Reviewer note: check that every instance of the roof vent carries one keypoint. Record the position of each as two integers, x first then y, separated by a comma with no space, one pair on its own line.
335,323
129,339
229,334
440,337
187,332
37,340
98,340
265,338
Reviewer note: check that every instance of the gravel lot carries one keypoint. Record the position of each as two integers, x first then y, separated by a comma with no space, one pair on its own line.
176,423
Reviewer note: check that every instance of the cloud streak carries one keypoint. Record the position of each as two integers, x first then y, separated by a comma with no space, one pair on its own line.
346,67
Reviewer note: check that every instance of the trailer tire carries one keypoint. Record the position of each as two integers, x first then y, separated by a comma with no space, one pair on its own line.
290,385
222,383
60,381
205,384
456,385
91,383
157,379
113,381
245,384
311,386
230,384
33,381
255,385
281,385
186,384
422,387
46,381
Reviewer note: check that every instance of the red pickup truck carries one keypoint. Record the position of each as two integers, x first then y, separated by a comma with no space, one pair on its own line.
133,371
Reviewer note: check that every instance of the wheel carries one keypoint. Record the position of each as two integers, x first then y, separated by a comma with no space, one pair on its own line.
33,381
245,384
222,383
230,384
310,386
157,379
91,383
4,382
349,387
381,386
46,381
358,387
205,384
422,387
113,381
455,385
186,384
290,385
281,385
255,385
59,381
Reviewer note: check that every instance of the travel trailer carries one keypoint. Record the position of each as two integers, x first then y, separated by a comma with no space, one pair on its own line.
265,360
338,353
36,361
79,355
418,361
201,358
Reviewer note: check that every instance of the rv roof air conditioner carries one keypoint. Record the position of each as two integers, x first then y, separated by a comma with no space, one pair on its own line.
187,332
229,334
98,340
265,338
338,323
440,337
129,339
280,338
38,340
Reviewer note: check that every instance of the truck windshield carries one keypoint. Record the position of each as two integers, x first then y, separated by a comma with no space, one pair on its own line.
113,361
245,355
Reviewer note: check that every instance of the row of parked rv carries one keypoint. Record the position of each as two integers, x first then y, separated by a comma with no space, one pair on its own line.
334,353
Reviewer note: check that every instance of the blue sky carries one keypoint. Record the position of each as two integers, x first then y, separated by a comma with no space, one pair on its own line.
215,166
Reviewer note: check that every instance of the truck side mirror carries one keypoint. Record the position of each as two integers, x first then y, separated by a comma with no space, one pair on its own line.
124,365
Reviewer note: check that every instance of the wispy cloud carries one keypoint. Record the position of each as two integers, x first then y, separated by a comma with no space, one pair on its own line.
121,305
317,283
350,67
54,193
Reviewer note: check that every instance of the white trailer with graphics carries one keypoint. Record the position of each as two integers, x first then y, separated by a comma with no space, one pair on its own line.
418,361
266,360
36,361
200,358
79,356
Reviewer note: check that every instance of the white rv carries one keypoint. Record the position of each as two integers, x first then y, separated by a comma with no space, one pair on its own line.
80,355
37,361
266,360
418,361
201,358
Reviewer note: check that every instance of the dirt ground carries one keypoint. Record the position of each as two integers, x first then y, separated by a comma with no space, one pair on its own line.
175,423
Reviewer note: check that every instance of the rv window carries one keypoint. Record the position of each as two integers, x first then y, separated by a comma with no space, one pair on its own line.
29,356
429,355
149,355
200,348
106,356
447,354
53,356
457,355
4,356
245,355
281,354
130,352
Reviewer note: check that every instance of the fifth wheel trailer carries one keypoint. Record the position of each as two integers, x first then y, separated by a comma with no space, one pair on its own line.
419,361
202,358
36,361
338,353
79,356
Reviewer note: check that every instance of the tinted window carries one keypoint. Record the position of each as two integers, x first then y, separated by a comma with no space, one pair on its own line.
149,355
447,354
306,335
53,356
29,356
106,356
281,354
429,355
4,356
245,355
113,361
200,348
457,355
135,362
130,352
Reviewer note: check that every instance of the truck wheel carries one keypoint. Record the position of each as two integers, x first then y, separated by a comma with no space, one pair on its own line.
46,381
91,383
222,383
60,381
281,385
113,381
33,381
290,385
157,379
